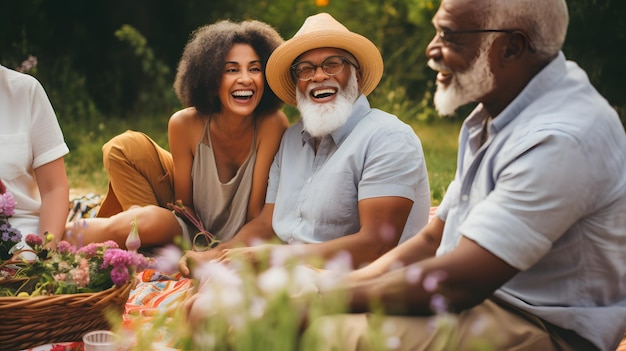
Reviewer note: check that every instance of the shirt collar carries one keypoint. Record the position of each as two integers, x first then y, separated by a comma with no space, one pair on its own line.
537,87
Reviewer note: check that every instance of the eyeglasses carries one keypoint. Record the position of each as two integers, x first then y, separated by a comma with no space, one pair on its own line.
449,36
332,66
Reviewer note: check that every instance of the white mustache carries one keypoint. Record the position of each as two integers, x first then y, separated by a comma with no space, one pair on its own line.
437,66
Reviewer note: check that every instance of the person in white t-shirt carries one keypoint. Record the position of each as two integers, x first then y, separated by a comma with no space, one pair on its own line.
32,150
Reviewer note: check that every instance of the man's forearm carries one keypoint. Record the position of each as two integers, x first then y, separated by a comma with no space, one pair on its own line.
396,292
422,246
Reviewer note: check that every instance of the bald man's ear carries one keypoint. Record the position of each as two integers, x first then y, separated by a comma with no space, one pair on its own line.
517,43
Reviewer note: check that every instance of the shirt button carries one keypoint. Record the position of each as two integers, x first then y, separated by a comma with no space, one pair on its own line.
465,197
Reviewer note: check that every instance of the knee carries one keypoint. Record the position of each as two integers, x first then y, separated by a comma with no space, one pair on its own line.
121,146
114,228
156,225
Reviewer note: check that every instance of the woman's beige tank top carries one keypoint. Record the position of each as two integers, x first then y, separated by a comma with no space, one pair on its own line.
222,207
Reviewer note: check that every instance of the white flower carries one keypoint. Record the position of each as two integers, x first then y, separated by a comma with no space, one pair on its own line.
479,326
202,307
236,321
387,234
393,343
273,280
214,272
281,255
330,280
341,262
413,274
206,341
229,299
257,307
305,280
167,259
389,327
432,280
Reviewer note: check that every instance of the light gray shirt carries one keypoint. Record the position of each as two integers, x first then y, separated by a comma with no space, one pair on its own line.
374,154
547,194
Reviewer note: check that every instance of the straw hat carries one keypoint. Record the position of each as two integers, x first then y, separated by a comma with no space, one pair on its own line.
321,31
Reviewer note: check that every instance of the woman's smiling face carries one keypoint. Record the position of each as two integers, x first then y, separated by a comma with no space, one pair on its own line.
242,84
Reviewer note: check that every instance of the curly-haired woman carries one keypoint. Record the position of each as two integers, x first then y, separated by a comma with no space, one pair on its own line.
222,145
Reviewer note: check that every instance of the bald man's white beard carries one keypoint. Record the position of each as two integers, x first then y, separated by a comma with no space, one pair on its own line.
465,87
321,119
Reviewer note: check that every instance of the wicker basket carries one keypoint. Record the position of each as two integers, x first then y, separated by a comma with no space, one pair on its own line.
30,321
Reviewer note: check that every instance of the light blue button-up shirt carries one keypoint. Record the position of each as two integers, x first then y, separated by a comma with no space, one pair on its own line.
316,195
547,194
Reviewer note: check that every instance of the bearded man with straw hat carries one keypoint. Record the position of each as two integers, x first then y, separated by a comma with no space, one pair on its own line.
347,177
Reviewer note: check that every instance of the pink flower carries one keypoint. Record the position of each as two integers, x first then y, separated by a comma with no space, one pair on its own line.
110,244
119,275
95,267
64,247
121,260
116,258
90,250
80,275
7,204
33,240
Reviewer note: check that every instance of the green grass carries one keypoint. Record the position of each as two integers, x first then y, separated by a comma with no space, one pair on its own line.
439,141
86,173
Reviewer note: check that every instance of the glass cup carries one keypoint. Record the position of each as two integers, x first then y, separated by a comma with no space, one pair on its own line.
99,340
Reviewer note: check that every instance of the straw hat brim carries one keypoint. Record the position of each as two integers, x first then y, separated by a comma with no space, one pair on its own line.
278,72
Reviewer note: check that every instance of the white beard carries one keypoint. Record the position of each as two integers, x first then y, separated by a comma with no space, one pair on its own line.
467,86
321,119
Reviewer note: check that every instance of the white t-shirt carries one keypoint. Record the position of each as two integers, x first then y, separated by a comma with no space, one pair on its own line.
30,136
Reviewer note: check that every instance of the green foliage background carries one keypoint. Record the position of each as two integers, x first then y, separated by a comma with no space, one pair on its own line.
109,65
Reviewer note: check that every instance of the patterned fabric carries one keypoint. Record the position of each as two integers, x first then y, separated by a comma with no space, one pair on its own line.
83,206
155,292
